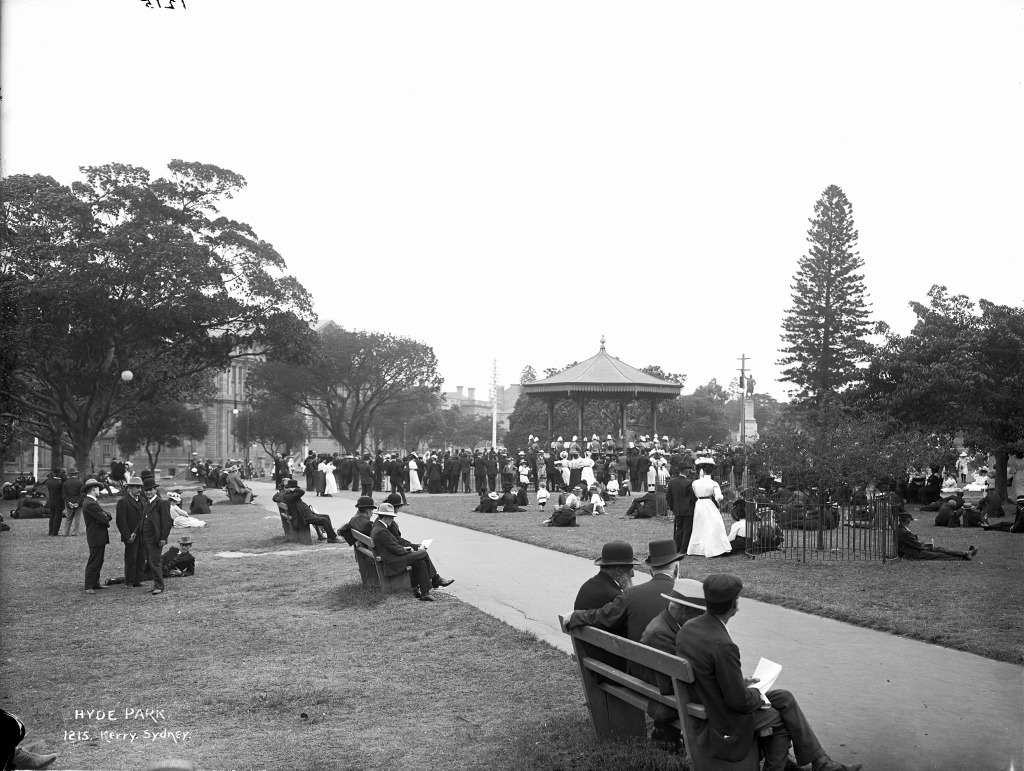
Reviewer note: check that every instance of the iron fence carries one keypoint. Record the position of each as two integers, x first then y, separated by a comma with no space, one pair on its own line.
798,527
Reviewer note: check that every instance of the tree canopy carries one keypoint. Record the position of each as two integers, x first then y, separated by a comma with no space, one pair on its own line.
272,423
958,370
160,425
351,375
123,273
825,328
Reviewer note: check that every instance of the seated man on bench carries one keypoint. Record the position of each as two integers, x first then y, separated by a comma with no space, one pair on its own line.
299,510
361,521
237,491
736,710
397,554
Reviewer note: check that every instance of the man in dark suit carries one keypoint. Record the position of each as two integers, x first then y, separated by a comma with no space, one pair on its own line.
55,499
97,521
73,503
360,522
128,517
398,553
680,499
480,472
638,605
616,573
156,529
736,709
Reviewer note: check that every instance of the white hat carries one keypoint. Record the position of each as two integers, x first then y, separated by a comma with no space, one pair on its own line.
687,592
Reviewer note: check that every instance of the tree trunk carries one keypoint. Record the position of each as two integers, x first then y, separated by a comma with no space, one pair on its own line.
1002,458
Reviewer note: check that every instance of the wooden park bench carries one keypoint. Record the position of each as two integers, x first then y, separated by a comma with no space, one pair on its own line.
371,566
618,701
295,529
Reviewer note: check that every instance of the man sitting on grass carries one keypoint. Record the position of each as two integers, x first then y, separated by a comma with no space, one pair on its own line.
736,709
910,546
397,554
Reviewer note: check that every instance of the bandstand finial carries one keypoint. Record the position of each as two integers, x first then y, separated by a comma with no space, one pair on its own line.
602,342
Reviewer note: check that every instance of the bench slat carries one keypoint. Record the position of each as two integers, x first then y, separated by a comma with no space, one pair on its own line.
649,692
673,666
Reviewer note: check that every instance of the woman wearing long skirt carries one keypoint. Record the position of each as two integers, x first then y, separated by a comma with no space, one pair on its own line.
709,538
415,486
330,483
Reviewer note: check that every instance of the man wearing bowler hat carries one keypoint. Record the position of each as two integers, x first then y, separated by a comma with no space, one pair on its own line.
685,601
638,605
736,709
156,529
360,522
398,553
616,574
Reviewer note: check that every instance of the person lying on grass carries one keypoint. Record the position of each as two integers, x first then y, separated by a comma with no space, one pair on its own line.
910,546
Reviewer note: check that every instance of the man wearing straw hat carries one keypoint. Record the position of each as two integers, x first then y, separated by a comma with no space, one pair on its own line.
685,601
97,522
397,553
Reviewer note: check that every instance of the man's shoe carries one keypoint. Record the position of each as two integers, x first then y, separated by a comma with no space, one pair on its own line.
24,759
157,591
438,581
825,763
100,586
332,540
90,591
424,597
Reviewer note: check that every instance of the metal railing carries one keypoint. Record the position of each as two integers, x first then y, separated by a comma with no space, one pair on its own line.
798,527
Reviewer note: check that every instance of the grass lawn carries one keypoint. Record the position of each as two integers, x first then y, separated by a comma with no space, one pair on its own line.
278,661
969,606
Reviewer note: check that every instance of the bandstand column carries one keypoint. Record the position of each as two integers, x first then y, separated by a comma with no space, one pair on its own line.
654,416
551,418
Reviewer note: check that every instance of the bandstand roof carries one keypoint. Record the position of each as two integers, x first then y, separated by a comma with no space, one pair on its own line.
602,375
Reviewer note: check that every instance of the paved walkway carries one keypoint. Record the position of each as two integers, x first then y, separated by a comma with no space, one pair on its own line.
873,698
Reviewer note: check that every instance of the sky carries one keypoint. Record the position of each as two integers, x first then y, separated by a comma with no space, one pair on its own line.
511,181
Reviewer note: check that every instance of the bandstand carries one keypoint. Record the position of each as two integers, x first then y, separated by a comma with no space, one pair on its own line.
602,377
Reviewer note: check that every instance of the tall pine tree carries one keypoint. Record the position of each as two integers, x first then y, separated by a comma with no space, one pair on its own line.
824,329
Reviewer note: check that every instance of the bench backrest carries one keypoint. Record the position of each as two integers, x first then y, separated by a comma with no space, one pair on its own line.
364,540
618,700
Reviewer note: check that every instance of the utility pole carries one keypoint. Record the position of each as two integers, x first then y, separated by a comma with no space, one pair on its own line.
743,413
494,406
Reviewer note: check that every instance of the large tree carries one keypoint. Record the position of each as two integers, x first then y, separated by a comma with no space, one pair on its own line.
160,425
825,328
350,377
957,370
120,273
272,423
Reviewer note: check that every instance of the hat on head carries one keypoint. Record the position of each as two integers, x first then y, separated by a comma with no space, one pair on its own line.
174,497
365,502
395,500
720,588
386,510
72,471
91,483
616,553
185,540
563,455
662,552
292,483
492,495
687,592
968,505
149,483
905,517
199,489
137,482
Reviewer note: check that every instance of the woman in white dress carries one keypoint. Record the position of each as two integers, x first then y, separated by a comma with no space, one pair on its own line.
709,538
414,475
330,482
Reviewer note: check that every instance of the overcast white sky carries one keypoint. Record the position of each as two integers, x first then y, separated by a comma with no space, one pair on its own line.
512,180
